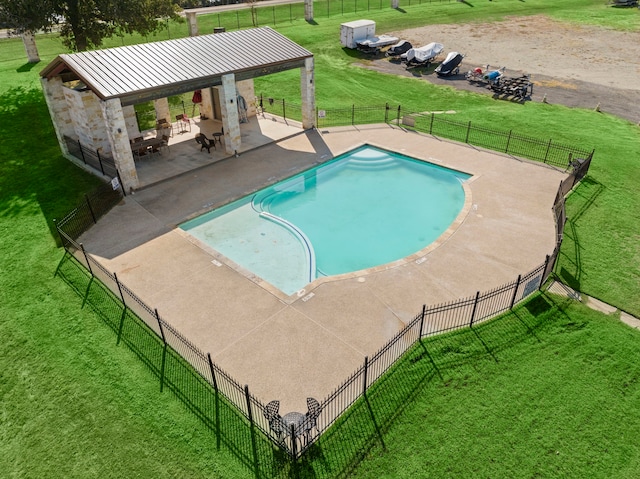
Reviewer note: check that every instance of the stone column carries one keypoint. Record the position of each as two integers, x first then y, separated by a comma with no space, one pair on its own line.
192,22
59,110
308,10
308,94
229,110
116,130
161,106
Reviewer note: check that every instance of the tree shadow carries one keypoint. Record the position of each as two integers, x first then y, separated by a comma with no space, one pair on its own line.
27,67
29,163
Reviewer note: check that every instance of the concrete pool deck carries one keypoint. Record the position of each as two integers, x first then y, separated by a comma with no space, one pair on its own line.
293,347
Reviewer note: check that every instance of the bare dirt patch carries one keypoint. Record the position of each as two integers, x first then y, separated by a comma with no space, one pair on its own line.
574,65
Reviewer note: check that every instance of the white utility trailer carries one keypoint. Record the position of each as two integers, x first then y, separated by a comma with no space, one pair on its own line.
351,33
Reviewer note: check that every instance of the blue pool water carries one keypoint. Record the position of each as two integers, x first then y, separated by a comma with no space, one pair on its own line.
363,209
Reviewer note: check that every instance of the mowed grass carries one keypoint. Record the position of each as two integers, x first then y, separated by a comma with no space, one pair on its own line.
540,392
548,392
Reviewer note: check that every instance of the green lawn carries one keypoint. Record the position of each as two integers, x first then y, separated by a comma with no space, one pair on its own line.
550,391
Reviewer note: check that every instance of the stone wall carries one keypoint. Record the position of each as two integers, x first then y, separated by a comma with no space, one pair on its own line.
246,89
88,123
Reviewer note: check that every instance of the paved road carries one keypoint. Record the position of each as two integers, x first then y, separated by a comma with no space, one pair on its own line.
237,6
4,33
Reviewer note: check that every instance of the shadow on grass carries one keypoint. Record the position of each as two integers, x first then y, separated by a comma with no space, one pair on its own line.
440,358
230,428
29,162
341,449
27,67
580,199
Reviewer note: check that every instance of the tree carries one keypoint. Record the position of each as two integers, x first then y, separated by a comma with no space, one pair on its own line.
88,22
25,18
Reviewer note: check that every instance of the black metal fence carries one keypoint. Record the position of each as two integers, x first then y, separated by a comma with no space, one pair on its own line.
92,157
504,141
259,16
441,318
431,320
146,116
133,307
95,205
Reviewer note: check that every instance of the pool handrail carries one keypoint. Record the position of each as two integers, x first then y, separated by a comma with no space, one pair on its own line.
309,251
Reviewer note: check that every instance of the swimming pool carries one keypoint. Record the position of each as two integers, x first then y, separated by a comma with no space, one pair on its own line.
363,209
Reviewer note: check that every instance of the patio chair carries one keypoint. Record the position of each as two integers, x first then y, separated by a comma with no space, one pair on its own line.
183,122
165,140
311,418
205,142
272,415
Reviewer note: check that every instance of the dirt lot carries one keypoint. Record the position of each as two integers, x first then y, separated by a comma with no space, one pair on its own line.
577,66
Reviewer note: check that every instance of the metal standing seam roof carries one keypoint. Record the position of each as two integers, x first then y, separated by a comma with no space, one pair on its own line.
138,72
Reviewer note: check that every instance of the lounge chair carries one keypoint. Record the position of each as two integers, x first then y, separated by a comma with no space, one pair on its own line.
205,142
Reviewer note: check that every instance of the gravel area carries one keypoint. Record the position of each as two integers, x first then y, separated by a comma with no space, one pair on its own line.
573,65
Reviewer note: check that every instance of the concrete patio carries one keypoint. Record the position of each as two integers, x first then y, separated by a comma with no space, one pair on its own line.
292,347
184,154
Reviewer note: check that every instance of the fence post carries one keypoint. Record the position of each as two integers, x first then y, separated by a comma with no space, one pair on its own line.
364,382
386,113
547,152
64,244
248,398
93,216
124,311
294,443
284,113
164,351
466,140
213,373
398,115
82,151
515,291
86,258
120,181
119,289
544,270
353,114
506,149
475,305
424,310
100,161
431,124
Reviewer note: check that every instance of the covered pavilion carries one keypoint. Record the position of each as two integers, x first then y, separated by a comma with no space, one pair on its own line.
91,95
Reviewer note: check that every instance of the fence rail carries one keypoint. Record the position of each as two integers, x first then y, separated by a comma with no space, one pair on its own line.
504,141
99,161
259,16
436,319
445,317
